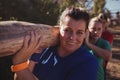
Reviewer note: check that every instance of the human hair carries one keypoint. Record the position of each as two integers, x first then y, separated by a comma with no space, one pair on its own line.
95,19
105,20
102,17
75,13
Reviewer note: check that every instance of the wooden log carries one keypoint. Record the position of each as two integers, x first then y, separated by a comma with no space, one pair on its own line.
12,34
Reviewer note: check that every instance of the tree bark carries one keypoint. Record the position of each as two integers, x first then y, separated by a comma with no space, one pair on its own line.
12,34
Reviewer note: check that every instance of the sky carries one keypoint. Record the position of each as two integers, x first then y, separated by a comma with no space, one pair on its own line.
113,5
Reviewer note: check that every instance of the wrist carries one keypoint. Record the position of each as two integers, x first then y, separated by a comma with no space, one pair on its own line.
17,59
20,66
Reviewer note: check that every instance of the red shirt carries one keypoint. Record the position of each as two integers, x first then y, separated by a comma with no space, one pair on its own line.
106,35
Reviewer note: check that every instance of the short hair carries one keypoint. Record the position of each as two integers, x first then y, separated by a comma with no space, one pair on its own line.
75,13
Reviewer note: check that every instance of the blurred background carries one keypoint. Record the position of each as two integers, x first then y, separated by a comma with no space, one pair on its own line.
48,11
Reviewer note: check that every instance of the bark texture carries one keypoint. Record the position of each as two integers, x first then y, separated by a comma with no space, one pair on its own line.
12,34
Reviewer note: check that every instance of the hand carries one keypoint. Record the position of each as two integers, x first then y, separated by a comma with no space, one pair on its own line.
87,36
30,45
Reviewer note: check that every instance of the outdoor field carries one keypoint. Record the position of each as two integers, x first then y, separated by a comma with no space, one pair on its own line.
113,68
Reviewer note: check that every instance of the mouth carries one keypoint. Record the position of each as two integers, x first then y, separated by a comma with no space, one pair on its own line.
95,35
71,43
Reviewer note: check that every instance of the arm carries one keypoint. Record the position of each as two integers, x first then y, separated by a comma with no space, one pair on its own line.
31,67
103,53
25,74
30,45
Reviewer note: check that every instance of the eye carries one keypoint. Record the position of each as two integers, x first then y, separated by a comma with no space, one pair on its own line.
99,29
80,32
92,29
67,30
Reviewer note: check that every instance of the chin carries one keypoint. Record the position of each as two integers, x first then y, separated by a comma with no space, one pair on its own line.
72,48
95,38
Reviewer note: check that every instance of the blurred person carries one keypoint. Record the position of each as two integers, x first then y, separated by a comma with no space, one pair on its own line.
106,35
99,47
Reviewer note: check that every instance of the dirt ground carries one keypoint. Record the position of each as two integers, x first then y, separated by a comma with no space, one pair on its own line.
113,67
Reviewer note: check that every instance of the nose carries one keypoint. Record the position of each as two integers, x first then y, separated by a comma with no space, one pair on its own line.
95,32
73,36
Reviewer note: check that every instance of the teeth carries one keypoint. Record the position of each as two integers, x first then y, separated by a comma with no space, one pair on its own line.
71,43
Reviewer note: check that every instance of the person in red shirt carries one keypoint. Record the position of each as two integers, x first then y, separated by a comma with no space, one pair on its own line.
106,35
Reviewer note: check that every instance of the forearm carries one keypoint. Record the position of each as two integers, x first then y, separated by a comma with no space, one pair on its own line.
18,75
105,54
26,74
20,64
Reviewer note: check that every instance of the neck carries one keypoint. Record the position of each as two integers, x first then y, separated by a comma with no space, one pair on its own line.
63,52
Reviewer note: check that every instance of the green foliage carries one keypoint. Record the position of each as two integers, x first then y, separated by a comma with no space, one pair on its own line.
37,11
98,7
13,18
67,3
0,18
46,11
40,11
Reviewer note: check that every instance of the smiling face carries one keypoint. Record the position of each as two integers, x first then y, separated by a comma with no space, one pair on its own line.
72,34
95,29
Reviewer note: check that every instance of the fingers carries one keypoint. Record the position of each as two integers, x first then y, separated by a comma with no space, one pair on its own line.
30,45
87,37
87,33
34,42
26,41
32,39
38,43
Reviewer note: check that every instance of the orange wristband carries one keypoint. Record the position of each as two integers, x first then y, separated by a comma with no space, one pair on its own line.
19,67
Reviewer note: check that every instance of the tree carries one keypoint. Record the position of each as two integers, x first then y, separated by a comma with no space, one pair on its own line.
98,6
43,11
37,11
